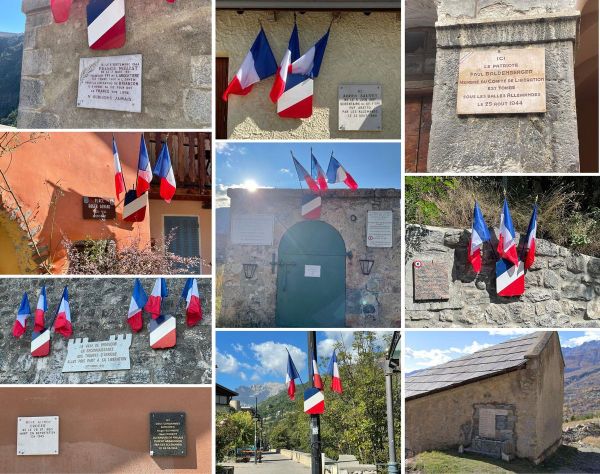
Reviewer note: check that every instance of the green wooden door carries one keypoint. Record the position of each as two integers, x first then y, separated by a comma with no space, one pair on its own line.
311,277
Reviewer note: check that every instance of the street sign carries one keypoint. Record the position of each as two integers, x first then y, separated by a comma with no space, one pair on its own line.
314,401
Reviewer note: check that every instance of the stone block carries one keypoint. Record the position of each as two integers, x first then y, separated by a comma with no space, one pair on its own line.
197,107
36,62
32,119
201,71
32,93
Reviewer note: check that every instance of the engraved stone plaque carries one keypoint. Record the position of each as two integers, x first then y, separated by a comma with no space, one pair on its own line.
379,228
167,434
502,81
37,436
111,83
85,356
430,281
252,229
98,208
359,107
487,423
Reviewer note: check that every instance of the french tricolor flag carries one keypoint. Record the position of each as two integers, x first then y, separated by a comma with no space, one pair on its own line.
193,306
119,180
530,239
63,316
159,292
479,234
291,55
304,176
164,170
136,307
144,174
317,172
317,381
22,315
40,311
106,24
336,173
290,378
61,10
258,65
507,245
334,371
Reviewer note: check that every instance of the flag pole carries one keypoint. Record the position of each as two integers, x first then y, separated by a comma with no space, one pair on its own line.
315,420
299,181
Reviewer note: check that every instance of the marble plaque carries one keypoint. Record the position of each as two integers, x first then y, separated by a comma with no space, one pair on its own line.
379,228
430,281
111,83
312,271
252,229
37,436
167,434
359,107
85,356
502,81
98,208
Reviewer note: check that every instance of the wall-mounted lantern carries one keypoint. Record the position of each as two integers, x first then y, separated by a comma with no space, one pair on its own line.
366,266
249,270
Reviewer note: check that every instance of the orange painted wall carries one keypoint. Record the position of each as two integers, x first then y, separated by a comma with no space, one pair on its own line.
106,429
81,164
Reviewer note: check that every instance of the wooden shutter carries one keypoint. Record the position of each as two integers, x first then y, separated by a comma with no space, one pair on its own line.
186,242
221,85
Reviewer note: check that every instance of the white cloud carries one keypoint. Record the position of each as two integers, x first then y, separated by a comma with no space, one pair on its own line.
224,148
243,376
285,171
221,198
510,332
332,338
227,363
272,358
255,377
238,348
587,337
429,358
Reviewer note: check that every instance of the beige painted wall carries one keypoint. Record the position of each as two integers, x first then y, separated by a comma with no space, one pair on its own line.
159,209
361,50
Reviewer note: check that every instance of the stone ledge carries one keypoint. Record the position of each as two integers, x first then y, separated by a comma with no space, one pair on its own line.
508,31
29,6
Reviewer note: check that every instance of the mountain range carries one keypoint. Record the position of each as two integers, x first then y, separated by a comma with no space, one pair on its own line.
11,53
247,393
582,379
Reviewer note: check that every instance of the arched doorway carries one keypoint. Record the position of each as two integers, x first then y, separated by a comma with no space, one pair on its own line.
311,277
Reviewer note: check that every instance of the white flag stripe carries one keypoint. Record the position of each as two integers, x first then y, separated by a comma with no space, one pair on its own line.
105,21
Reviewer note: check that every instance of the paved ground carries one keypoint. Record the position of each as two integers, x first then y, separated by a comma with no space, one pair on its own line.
271,464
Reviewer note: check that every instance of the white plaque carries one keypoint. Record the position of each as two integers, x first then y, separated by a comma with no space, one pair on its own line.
359,107
37,436
312,271
111,83
379,228
252,229
85,356
487,421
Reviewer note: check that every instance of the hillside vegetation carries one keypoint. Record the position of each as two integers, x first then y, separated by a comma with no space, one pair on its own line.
11,52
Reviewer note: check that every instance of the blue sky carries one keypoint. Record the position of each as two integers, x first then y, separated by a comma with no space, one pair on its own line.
428,348
11,19
256,357
372,165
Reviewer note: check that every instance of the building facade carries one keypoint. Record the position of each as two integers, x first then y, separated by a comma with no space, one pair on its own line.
286,271
363,49
505,401
51,175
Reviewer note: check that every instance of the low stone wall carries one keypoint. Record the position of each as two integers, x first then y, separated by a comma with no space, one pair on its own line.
298,456
98,310
562,288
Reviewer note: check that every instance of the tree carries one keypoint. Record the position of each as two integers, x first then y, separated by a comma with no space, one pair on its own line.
233,430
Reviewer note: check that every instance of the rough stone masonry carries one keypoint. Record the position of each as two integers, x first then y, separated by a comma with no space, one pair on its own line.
562,288
99,310
173,39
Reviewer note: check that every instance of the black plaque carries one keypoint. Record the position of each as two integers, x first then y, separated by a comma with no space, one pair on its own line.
98,208
430,281
167,434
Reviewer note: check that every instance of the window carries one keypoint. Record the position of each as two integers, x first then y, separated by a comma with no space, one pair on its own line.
185,231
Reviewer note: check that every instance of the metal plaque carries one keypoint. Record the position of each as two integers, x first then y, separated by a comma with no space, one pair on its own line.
111,83
167,434
98,208
359,107
85,356
379,228
252,229
430,281
312,271
502,81
37,436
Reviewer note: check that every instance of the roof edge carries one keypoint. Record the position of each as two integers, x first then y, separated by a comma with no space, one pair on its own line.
535,351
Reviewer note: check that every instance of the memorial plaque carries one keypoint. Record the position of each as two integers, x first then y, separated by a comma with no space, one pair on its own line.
85,356
252,229
430,281
487,421
37,436
98,208
502,81
167,434
379,228
359,107
312,271
111,83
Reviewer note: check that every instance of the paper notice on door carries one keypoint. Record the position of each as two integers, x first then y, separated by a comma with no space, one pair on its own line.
312,271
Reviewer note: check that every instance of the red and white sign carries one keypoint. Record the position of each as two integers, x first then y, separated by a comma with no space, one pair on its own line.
314,401
40,343
163,332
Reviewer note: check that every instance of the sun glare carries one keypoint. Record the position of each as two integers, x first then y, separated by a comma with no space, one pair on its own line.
250,185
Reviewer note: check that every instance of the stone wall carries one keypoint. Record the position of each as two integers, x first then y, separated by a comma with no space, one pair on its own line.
371,301
562,288
174,40
545,142
98,310
361,50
